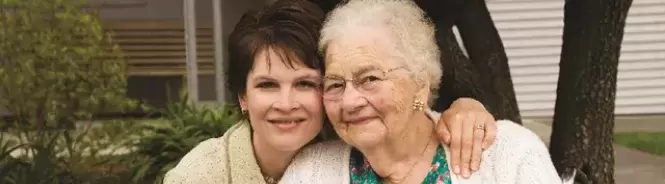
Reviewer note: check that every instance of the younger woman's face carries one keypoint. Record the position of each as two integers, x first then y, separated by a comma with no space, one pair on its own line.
283,102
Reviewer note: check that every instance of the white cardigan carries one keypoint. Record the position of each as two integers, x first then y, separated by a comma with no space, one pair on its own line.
517,156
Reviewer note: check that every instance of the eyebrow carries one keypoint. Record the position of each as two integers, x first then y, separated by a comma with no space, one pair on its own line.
268,78
262,78
361,70
364,69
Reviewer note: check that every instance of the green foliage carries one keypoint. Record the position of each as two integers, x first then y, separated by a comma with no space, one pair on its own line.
57,63
40,164
7,162
57,66
164,142
140,151
83,155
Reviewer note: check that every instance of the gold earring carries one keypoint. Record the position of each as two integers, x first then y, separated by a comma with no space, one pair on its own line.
418,105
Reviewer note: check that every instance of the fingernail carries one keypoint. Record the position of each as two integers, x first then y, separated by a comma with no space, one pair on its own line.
474,167
456,169
466,173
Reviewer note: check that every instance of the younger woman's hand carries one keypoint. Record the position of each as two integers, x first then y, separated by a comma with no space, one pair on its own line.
467,128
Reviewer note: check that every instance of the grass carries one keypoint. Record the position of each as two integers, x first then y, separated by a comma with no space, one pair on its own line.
651,142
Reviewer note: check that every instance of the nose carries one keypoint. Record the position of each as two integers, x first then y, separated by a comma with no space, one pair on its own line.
352,100
285,102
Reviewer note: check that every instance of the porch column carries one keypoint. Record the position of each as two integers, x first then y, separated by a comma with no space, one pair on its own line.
220,88
190,49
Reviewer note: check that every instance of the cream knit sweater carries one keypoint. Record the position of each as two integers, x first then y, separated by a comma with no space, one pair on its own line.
517,156
224,160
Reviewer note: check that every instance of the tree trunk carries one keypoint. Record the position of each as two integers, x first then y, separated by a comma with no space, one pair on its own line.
583,126
486,51
460,78
326,5
485,74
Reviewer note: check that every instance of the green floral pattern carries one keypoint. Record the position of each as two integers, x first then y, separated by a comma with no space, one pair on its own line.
362,172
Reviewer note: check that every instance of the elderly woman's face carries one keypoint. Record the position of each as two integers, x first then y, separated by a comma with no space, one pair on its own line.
368,93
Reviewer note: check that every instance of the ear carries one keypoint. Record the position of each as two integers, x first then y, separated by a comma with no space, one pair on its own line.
423,92
242,101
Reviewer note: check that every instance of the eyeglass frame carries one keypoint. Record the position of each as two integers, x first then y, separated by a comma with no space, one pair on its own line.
355,82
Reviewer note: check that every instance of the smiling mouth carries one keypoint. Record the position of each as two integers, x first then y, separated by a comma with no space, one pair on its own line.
286,125
286,121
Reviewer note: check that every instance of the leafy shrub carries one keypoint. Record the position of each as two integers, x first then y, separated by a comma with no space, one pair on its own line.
164,142
83,155
57,64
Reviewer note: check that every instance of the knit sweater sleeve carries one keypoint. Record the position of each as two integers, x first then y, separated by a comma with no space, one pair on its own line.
322,163
530,155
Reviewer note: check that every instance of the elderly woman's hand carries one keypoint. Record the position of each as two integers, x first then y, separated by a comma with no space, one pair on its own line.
467,128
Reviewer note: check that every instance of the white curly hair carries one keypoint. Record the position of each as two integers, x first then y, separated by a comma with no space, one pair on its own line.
414,33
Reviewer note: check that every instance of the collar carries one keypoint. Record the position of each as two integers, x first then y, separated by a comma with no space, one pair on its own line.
243,167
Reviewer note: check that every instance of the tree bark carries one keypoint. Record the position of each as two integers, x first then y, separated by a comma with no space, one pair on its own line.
460,78
485,49
326,5
485,74
583,126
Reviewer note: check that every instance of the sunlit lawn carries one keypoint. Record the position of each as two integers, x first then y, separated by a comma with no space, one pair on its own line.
652,142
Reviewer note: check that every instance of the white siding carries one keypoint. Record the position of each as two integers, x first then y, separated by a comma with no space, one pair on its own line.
531,31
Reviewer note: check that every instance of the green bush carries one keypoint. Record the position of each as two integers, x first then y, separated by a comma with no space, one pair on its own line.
164,142
84,155
7,162
57,66
151,147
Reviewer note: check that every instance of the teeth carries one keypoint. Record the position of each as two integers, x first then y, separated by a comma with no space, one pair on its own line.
286,122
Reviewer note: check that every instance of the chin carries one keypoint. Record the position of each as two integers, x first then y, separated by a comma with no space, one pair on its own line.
295,140
365,139
290,143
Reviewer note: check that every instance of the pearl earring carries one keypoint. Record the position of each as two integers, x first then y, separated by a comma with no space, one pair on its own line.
418,105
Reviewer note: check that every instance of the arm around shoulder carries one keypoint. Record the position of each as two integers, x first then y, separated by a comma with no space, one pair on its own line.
322,163
534,164
536,167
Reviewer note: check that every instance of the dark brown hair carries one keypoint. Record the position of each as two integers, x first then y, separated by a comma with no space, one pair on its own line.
290,27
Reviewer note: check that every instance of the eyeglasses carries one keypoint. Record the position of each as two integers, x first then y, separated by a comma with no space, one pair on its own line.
366,83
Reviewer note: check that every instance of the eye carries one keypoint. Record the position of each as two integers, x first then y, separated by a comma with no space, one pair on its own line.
267,85
331,84
334,86
369,79
307,84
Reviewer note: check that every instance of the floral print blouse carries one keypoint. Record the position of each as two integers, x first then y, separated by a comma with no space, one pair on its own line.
362,172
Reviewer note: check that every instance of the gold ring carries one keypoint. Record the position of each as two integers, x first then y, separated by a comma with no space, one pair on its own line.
479,127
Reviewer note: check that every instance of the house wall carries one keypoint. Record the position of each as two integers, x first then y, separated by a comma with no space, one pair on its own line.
531,31
151,88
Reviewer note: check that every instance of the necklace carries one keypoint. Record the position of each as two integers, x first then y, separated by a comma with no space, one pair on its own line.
401,180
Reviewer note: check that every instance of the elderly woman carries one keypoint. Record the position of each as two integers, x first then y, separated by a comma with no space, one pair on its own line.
382,65
276,73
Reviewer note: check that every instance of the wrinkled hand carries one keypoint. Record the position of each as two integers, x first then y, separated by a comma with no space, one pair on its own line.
467,128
